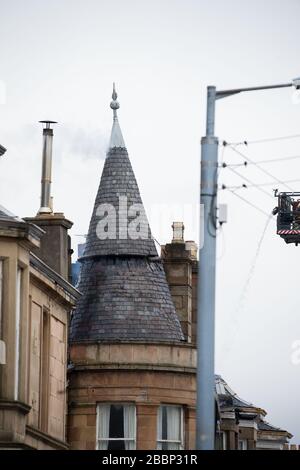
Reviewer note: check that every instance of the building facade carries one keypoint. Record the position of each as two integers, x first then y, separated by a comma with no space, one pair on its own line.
35,302
111,365
132,375
132,381
241,425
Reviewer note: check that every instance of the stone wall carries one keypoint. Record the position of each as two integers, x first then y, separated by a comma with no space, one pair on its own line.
33,378
146,375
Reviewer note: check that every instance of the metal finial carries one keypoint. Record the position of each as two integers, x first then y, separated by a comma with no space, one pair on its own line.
116,138
114,93
114,104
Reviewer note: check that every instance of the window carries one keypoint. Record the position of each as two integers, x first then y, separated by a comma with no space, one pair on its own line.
1,296
116,427
170,427
243,444
44,375
223,440
17,331
220,442
2,343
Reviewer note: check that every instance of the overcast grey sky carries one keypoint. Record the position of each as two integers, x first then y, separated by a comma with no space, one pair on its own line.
58,61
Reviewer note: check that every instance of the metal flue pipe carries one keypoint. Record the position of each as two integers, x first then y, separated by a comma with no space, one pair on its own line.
46,205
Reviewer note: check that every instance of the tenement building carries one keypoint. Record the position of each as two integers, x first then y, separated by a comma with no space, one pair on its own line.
110,364
35,303
132,371
131,375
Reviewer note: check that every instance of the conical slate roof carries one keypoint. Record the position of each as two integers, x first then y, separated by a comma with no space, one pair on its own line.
125,295
118,192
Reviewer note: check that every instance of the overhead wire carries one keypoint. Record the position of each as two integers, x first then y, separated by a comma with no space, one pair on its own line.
248,202
252,185
243,295
272,160
260,168
269,139
246,186
251,182
232,190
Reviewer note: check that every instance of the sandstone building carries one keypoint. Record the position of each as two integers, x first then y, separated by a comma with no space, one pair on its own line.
35,303
128,378
132,381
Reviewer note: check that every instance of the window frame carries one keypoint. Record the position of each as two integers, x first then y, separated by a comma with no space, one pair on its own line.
18,322
2,285
243,443
44,369
172,441
119,439
224,440
1,296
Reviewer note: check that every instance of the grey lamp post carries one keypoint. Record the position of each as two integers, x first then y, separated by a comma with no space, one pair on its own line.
205,425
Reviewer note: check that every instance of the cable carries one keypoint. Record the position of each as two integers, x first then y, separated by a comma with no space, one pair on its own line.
251,182
261,169
249,203
243,296
272,160
246,186
220,256
260,141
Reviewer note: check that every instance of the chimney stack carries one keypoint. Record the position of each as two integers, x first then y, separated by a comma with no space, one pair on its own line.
46,206
179,259
55,248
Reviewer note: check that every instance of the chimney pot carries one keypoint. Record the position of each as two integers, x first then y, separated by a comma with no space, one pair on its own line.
178,232
192,247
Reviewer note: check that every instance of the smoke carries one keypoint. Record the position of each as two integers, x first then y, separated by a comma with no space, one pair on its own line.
86,144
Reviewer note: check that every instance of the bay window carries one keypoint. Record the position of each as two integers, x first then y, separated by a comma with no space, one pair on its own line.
116,426
170,427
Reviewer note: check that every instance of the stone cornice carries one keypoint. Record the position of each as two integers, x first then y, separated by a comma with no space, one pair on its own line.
50,440
133,356
48,276
157,367
14,405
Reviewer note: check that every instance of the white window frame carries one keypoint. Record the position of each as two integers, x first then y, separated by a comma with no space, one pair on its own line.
17,330
1,296
243,444
223,440
181,442
98,439
2,343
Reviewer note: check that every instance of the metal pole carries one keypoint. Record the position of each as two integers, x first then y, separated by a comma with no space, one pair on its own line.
205,425
46,168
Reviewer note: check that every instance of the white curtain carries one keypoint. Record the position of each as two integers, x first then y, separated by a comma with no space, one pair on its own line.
103,426
129,426
173,426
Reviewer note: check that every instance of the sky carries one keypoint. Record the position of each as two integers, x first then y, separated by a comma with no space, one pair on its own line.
58,61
